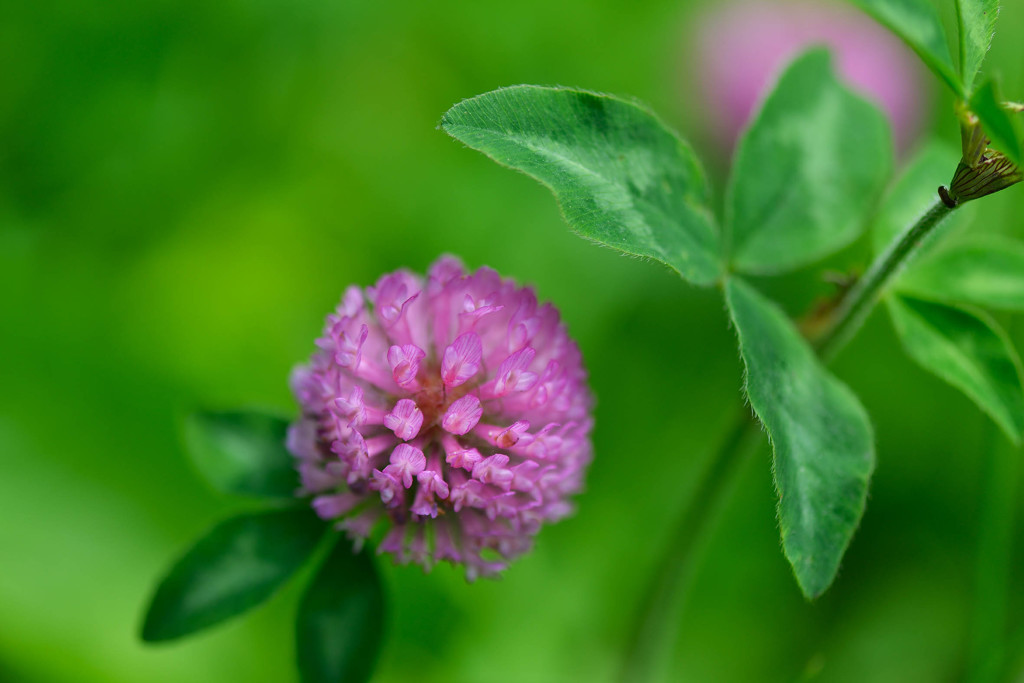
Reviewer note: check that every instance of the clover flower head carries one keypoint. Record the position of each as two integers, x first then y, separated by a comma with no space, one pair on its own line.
452,414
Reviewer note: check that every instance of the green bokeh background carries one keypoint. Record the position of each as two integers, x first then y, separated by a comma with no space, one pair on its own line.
186,188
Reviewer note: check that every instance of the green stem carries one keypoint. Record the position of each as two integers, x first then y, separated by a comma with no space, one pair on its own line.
849,316
653,628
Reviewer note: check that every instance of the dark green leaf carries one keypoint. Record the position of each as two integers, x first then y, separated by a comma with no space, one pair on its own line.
982,270
1002,128
968,350
236,566
807,172
620,176
917,23
914,193
977,23
341,618
242,452
822,440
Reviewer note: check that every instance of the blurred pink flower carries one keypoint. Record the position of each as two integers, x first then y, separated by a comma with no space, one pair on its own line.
741,47
454,412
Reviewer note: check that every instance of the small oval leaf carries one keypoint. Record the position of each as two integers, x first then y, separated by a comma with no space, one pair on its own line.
808,171
980,270
968,350
341,619
621,177
237,565
242,453
821,437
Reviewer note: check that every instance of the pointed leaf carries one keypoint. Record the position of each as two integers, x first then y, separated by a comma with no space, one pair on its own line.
914,192
340,622
242,453
821,436
977,23
982,270
807,171
236,566
621,177
968,350
918,25
1002,128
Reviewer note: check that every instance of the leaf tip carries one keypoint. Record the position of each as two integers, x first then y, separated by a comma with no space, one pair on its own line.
151,631
813,584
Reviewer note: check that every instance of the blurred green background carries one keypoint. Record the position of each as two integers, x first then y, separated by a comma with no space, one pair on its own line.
185,189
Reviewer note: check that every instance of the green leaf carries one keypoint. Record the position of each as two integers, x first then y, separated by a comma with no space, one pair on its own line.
621,177
918,25
242,453
807,171
983,270
968,350
236,566
341,617
1002,128
822,439
977,23
914,192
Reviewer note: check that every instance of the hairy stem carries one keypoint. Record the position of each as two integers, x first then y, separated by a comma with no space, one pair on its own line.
654,627
862,297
